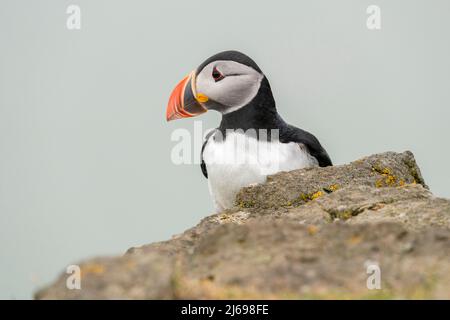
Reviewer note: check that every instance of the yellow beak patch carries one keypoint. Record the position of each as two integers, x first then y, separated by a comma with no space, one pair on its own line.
202,98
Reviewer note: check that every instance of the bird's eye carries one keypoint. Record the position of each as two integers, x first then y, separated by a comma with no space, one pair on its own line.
217,75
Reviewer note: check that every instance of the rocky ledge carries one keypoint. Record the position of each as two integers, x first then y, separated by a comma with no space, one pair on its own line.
311,233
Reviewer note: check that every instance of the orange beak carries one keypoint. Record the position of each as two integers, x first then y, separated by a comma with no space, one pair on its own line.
184,102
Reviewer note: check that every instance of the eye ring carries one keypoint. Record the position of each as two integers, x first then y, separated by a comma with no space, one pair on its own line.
217,75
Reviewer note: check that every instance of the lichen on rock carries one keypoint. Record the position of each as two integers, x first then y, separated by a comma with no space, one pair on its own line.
304,234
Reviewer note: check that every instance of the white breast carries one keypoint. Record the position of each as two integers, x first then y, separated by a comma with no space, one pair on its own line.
242,160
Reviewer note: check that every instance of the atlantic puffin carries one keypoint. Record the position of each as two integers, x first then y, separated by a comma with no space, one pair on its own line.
252,140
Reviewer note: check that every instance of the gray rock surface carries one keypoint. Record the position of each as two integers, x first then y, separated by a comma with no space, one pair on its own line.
308,233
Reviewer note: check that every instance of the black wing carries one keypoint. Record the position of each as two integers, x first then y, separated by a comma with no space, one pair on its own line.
202,162
294,134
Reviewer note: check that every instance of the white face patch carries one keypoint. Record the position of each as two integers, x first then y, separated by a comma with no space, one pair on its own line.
238,87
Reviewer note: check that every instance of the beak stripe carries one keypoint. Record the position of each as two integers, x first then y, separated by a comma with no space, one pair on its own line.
181,101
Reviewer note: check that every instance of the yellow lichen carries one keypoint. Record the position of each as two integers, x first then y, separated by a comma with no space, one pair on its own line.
390,180
333,187
379,183
312,230
355,239
304,197
246,204
345,215
316,195
94,268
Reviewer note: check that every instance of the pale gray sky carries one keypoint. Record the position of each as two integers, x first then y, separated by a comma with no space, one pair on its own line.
85,164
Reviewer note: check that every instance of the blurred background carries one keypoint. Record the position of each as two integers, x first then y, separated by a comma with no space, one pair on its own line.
85,151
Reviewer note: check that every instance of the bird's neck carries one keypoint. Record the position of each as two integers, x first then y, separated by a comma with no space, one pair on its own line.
260,113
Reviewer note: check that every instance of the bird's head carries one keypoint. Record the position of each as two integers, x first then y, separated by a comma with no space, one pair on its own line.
225,82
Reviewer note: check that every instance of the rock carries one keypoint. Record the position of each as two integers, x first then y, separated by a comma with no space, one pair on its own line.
300,186
130,277
308,233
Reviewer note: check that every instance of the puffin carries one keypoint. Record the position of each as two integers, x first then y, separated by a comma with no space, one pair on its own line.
252,140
